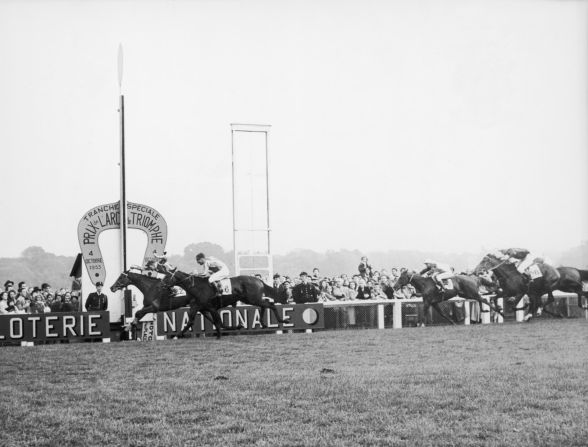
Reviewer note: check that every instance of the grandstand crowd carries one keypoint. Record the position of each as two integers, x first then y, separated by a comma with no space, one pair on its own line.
22,299
367,284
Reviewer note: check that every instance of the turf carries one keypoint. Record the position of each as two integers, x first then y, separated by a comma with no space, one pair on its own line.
495,385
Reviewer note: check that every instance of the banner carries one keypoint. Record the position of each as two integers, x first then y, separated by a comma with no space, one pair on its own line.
54,326
301,316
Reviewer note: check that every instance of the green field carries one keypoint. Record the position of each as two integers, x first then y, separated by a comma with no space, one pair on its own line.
507,385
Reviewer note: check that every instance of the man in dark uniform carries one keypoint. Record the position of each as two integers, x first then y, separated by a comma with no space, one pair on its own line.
305,292
97,300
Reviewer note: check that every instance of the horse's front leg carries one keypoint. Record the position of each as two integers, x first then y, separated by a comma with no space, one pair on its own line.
191,318
494,307
440,311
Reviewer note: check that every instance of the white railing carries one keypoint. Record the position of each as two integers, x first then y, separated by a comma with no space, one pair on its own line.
397,312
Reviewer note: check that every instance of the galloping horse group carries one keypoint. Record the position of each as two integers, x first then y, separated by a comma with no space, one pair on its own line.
201,296
514,285
156,288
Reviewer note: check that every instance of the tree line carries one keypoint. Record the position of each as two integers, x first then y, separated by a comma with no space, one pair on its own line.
36,266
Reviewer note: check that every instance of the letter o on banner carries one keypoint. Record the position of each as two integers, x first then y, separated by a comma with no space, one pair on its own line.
310,316
12,331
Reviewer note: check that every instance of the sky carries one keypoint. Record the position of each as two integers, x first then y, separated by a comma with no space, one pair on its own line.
447,126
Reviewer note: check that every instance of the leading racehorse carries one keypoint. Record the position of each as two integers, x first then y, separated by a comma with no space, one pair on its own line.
465,286
244,288
156,295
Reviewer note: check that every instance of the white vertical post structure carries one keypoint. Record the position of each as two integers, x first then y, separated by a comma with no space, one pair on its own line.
251,209
500,303
123,192
485,313
397,314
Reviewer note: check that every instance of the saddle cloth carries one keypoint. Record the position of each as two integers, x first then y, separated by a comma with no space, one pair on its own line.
448,283
534,271
226,288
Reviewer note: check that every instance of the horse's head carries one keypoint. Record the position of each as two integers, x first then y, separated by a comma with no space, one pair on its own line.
487,263
121,282
404,278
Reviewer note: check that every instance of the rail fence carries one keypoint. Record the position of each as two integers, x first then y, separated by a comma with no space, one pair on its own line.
398,313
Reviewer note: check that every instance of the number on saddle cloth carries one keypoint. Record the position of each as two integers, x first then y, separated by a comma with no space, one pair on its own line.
534,271
225,286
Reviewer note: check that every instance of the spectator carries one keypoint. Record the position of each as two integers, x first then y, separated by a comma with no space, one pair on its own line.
75,302
378,294
363,291
22,285
9,285
325,292
305,292
340,292
277,280
55,306
3,303
97,301
285,292
365,270
36,298
316,277
352,291
66,305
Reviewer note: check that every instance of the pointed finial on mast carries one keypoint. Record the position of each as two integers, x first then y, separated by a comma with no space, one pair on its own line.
120,66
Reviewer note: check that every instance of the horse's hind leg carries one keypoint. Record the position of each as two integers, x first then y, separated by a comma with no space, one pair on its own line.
269,305
550,300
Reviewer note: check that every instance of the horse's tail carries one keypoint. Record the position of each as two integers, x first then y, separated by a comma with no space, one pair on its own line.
270,291
583,274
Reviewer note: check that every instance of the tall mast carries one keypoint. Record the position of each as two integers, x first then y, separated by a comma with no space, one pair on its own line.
123,192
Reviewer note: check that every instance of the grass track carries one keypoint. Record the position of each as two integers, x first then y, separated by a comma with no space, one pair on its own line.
495,385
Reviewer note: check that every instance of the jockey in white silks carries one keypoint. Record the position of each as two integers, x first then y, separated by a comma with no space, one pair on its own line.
214,268
438,271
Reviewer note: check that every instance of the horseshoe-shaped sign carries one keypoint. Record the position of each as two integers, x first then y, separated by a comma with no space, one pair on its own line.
107,217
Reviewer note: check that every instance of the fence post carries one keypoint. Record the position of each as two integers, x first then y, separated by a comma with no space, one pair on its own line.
380,316
485,313
519,314
397,314
500,303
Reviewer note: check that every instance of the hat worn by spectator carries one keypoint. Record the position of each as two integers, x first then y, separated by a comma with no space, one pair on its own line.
20,284
99,284
36,289
276,275
303,274
45,286
8,283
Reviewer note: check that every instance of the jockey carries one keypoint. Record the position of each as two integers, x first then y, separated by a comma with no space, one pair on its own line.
214,269
437,271
520,257
162,261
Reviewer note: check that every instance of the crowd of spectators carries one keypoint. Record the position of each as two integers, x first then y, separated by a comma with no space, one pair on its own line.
23,299
367,284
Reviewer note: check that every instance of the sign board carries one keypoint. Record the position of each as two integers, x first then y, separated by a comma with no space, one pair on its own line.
107,217
54,326
302,316
102,255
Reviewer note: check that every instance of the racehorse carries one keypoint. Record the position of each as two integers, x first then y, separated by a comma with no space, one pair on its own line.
156,295
513,285
247,289
465,286
565,279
